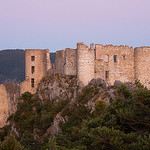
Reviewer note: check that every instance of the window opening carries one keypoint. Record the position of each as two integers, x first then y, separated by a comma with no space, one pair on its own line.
32,82
32,69
32,58
115,58
124,57
106,74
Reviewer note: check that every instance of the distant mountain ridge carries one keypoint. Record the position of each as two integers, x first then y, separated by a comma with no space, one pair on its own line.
12,65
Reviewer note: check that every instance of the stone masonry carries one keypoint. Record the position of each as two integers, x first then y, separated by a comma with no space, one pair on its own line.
114,63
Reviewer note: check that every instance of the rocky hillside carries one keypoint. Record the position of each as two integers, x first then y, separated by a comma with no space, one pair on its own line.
65,115
12,65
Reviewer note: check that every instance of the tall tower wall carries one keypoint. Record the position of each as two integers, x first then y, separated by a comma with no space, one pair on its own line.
4,105
37,63
59,61
142,65
85,63
70,67
8,101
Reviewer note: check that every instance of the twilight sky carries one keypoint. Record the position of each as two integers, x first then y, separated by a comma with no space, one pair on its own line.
58,24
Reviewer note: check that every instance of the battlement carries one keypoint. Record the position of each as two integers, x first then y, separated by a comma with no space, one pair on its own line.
113,46
81,45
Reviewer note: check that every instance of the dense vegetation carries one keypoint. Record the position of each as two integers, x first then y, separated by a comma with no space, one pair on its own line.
12,65
123,125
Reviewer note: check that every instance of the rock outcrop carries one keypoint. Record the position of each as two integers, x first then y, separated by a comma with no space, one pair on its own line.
59,86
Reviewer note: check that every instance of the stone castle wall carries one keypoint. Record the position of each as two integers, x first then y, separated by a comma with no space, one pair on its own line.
107,62
142,65
4,113
70,61
114,63
8,101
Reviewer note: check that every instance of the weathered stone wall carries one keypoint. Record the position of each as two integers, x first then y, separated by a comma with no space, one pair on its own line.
106,67
8,101
59,61
13,93
41,64
3,106
142,65
85,63
70,67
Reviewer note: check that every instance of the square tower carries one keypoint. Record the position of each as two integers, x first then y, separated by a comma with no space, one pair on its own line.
37,63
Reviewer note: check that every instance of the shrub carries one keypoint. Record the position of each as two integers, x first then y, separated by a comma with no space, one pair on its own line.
10,143
99,107
125,91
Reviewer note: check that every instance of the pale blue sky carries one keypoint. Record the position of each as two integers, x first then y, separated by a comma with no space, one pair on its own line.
58,24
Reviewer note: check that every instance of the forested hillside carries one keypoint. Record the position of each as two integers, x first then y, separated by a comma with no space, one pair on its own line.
12,65
64,115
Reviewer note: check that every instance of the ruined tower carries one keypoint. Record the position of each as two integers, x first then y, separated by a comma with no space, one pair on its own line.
37,63
59,61
142,63
85,63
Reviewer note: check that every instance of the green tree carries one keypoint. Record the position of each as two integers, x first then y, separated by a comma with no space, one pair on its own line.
10,143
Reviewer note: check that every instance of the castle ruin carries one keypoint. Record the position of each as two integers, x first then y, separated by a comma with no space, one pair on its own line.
107,62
